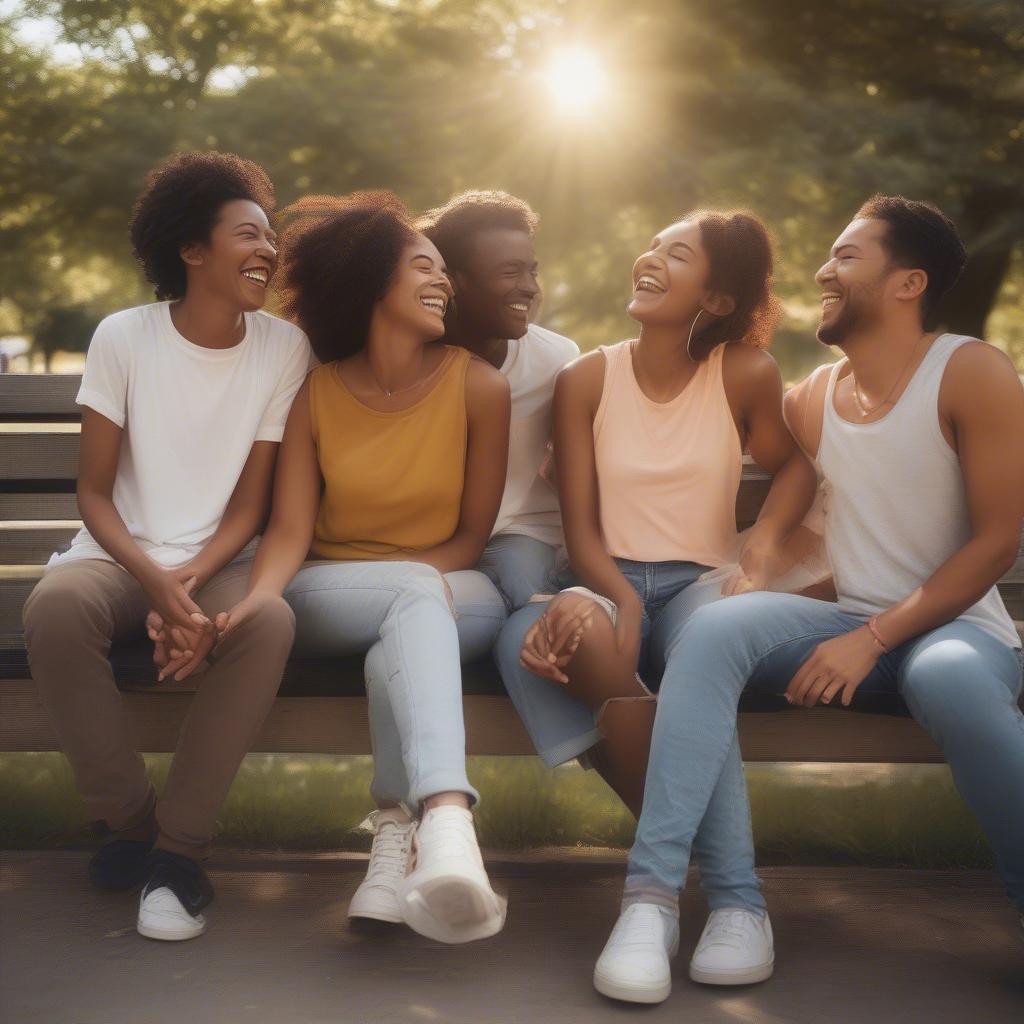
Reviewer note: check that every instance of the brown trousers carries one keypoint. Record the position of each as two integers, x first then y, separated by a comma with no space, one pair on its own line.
71,618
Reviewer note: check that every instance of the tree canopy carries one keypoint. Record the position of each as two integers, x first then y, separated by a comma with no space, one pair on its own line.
795,109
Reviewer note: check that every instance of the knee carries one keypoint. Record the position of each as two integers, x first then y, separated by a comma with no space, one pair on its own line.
950,680
513,632
272,623
56,609
416,579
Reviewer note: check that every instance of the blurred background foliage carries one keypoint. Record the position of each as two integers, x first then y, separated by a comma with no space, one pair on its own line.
796,109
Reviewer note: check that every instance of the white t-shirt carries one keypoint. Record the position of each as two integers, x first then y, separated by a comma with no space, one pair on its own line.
530,505
190,416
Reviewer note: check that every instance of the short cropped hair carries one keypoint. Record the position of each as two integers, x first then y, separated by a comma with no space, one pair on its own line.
338,257
920,236
180,205
453,226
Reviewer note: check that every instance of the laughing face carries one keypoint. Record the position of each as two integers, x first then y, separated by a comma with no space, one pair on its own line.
419,292
854,281
240,258
669,279
498,287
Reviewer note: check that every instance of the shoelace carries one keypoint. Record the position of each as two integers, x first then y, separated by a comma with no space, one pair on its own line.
454,834
390,848
726,928
635,930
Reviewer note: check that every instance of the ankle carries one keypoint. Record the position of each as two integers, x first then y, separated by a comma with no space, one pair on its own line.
145,831
452,799
167,845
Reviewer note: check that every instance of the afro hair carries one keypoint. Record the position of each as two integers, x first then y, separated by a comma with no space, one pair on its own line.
180,204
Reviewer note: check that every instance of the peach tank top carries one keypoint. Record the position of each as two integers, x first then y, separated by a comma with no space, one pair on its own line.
667,472
393,481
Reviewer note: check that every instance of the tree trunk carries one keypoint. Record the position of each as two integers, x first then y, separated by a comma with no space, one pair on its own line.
966,308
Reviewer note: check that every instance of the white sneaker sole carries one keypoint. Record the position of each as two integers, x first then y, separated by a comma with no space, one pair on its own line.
181,933
451,908
740,976
371,914
635,992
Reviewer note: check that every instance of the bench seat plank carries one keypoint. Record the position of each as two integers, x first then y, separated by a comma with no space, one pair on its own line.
338,725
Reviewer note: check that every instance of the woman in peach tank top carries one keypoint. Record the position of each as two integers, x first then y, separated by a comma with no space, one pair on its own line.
649,440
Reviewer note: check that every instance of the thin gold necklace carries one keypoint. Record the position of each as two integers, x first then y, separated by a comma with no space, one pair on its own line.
856,389
396,391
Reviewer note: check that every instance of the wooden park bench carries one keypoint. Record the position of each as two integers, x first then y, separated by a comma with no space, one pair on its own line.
321,707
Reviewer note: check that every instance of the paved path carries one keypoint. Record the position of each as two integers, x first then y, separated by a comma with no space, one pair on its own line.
853,946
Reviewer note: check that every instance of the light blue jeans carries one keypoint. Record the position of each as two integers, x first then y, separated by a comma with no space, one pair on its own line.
398,613
959,682
519,566
562,728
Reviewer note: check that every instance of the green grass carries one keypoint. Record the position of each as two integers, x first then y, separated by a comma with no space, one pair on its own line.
837,814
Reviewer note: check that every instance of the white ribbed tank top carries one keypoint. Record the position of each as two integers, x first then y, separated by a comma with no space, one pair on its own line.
898,505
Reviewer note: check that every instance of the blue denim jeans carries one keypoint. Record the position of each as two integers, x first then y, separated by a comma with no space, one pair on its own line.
959,682
562,728
519,566
398,613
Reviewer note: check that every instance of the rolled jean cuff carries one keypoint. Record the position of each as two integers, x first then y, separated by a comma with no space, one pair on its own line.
443,782
566,750
643,890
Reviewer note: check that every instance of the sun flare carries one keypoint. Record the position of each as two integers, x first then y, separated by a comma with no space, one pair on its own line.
576,80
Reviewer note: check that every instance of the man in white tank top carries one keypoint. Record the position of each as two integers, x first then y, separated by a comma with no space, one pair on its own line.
918,438
486,239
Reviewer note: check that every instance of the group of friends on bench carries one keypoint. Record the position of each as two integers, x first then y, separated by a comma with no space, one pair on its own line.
405,466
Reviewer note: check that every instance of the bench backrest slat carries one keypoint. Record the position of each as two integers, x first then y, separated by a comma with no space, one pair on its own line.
34,396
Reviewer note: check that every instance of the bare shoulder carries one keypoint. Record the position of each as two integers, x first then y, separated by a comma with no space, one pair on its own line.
749,366
583,377
980,374
484,379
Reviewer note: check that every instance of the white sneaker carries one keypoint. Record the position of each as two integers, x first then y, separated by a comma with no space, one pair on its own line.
447,895
735,948
635,965
161,916
377,895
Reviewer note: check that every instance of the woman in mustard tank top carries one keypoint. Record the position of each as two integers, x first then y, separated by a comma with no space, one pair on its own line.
389,480
649,437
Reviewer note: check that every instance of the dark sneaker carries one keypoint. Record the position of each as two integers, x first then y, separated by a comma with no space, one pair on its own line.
120,865
176,889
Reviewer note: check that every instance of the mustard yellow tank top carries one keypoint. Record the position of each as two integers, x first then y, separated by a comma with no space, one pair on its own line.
393,481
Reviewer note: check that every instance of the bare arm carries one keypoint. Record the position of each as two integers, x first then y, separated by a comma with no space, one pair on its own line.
488,411
982,401
246,512
773,448
296,498
753,377
577,396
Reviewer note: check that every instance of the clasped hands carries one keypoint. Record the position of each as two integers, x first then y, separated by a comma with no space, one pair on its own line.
183,636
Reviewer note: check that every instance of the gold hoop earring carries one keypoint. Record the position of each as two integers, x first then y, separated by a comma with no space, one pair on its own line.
689,340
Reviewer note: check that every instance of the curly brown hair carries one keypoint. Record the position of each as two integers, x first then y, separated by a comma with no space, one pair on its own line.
741,260
451,227
338,257
180,204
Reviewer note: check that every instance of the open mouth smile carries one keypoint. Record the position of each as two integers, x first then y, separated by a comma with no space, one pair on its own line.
258,275
646,283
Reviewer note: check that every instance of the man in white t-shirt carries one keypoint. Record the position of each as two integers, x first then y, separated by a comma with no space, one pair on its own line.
486,239
183,406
